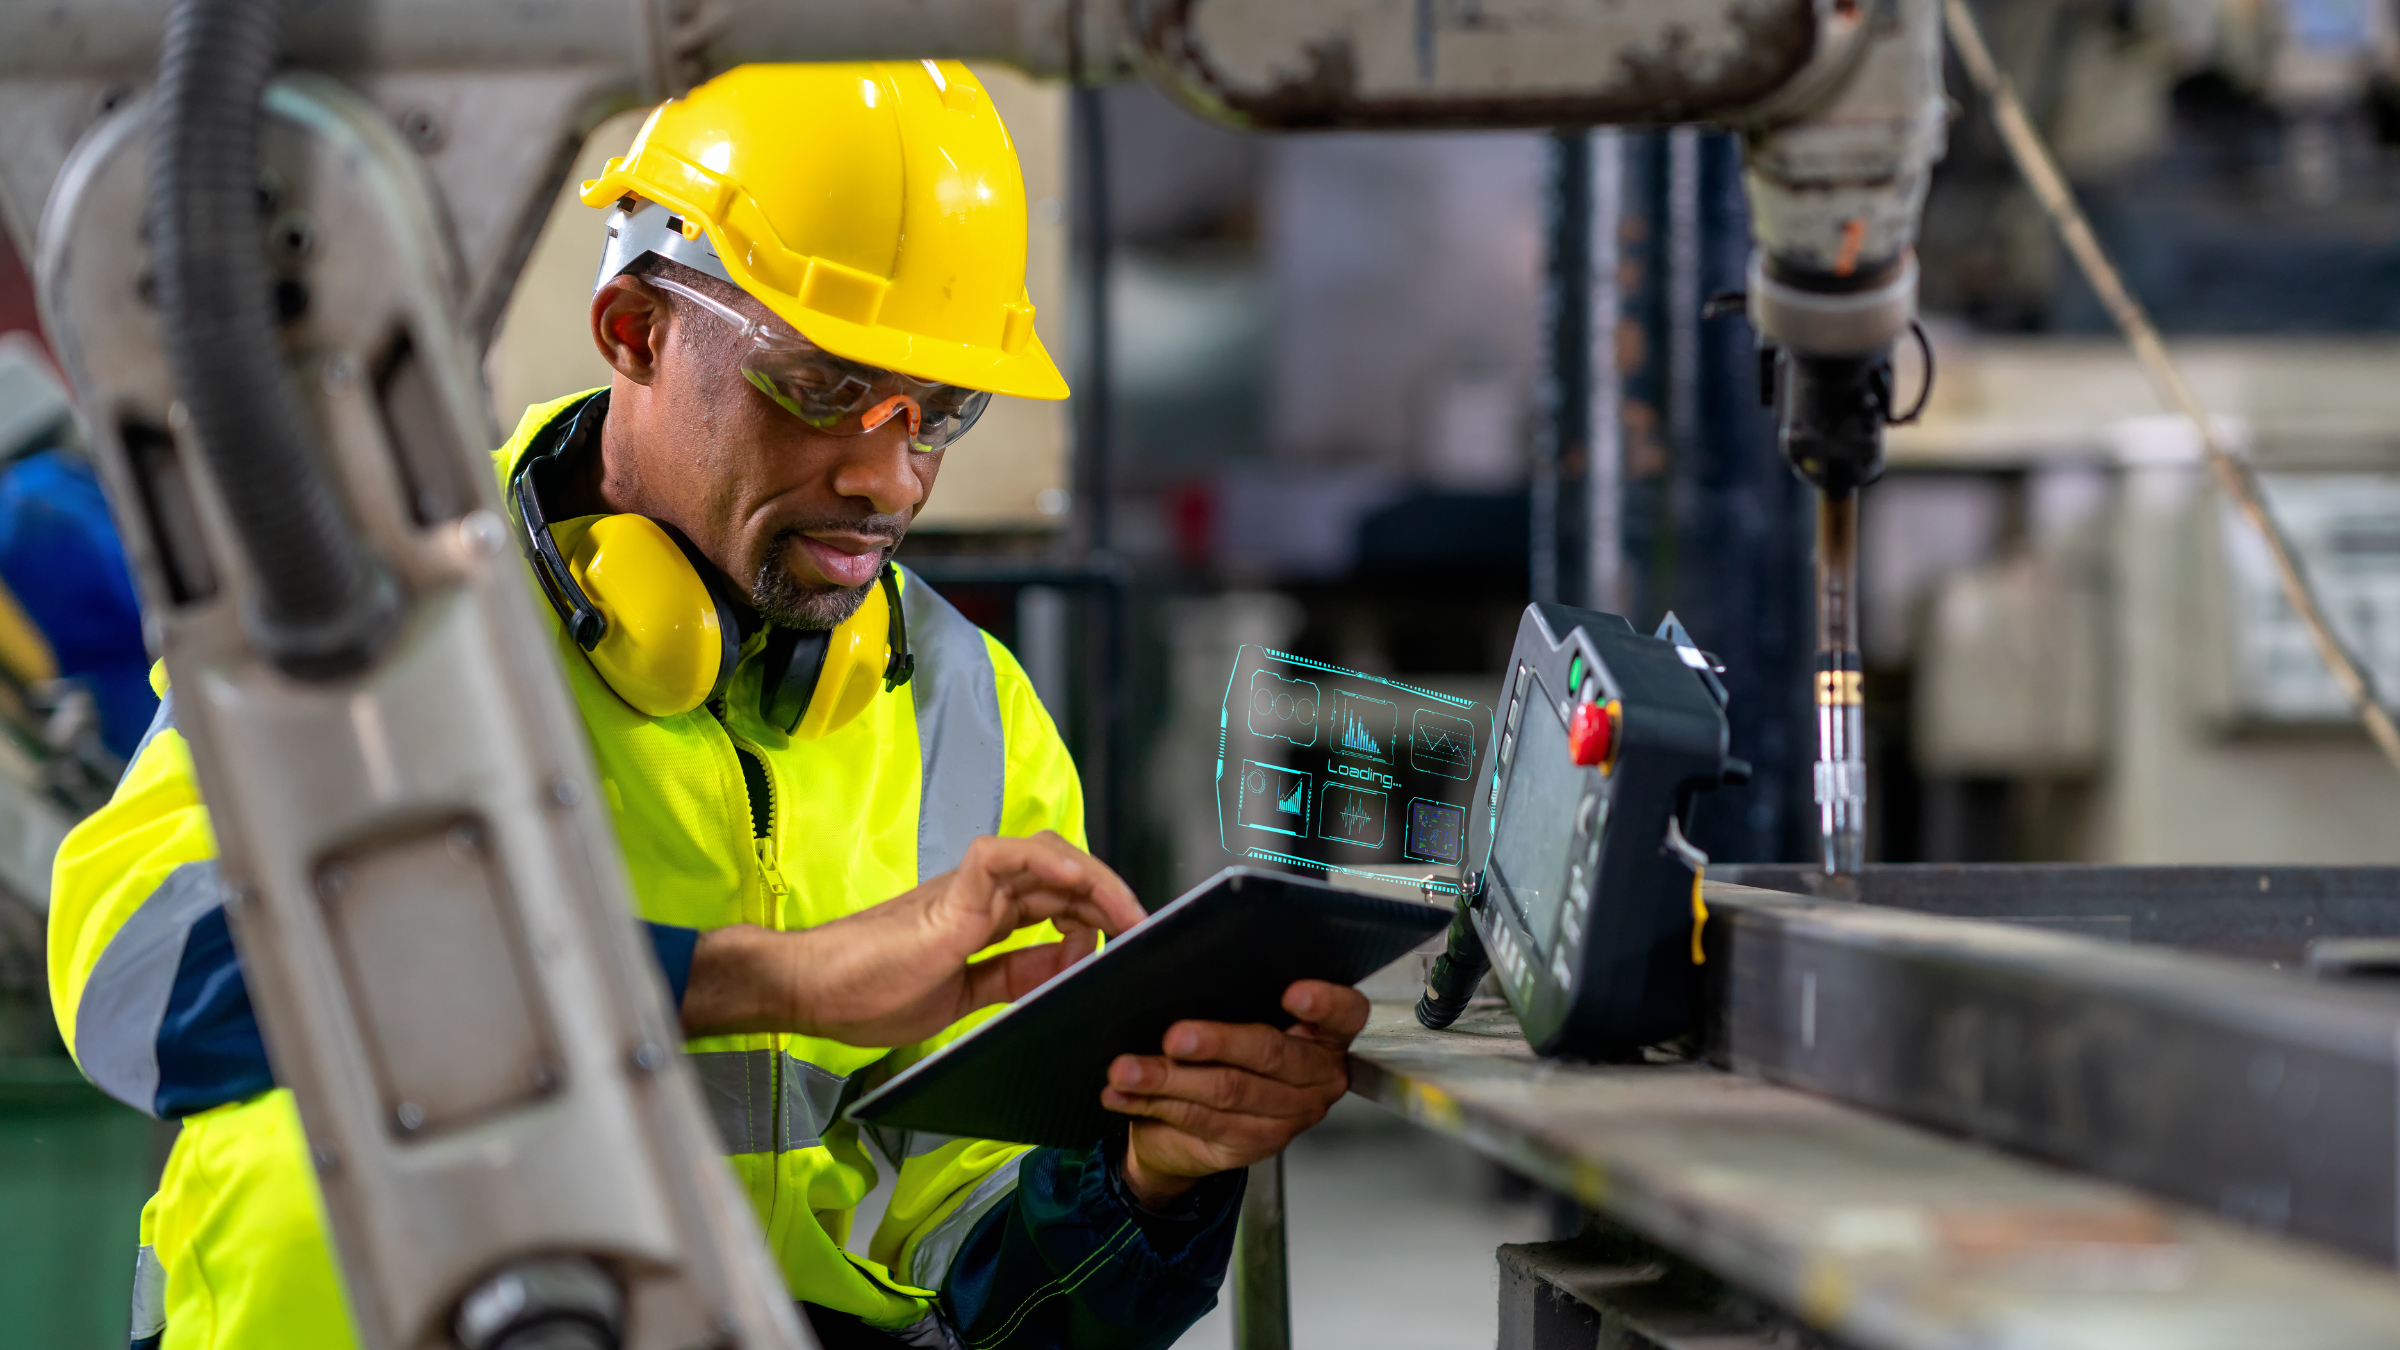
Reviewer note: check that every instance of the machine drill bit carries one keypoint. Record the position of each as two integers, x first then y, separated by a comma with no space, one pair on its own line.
1841,777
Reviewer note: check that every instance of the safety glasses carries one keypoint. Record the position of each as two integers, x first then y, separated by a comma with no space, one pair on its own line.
837,396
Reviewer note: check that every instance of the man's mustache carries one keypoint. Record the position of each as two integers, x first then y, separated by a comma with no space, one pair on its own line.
889,529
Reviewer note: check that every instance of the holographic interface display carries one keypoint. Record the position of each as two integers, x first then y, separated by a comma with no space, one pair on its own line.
1328,770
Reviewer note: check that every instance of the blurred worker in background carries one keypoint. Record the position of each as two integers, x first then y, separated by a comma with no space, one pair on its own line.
813,283
62,569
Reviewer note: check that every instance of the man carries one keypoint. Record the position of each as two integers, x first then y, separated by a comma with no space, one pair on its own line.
814,280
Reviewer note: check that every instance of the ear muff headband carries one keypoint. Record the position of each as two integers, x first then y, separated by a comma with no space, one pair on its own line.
633,592
536,471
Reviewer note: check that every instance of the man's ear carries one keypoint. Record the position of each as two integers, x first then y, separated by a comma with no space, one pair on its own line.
629,326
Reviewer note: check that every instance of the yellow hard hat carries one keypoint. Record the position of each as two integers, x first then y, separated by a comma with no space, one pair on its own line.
878,208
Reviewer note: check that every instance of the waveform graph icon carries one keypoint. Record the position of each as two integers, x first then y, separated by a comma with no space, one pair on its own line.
1283,707
1434,831
1273,799
1363,726
1351,815
1438,743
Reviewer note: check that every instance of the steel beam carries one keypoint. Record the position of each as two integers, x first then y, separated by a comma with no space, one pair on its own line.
1872,1232
2249,1091
2267,914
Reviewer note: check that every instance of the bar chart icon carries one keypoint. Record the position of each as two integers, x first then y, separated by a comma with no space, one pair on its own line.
1364,726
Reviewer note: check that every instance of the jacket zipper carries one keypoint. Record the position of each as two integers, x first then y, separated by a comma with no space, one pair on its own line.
759,788
758,791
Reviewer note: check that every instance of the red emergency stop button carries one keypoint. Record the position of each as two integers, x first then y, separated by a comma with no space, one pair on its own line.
1592,734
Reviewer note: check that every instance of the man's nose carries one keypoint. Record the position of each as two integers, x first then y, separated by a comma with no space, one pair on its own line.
875,466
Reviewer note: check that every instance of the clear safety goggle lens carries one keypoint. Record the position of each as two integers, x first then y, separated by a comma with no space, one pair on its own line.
843,398
838,396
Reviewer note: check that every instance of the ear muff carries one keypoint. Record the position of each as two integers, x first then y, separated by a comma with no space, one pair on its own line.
669,645
829,678
644,605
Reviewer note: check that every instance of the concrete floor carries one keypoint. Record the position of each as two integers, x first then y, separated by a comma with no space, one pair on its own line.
1391,1235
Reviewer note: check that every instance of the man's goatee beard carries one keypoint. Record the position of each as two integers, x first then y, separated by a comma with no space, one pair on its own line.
775,595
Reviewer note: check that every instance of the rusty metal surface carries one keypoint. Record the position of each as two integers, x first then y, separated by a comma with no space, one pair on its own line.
2256,1093
1876,1233
2267,914
1453,63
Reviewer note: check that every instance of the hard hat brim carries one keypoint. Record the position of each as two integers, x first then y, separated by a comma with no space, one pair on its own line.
1027,372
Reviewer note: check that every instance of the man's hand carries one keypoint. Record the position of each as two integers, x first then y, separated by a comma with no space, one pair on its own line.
1225,1096
901,971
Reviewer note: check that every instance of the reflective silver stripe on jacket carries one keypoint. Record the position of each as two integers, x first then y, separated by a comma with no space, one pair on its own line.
758,1111
149,1295
898,1146
959,734
125,1000
931,1263
162,720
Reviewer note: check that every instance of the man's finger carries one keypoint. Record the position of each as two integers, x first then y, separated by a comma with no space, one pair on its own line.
1214,1086
1010,975
1047,870
1031,902
1247,1138
1259,1049
1336,1012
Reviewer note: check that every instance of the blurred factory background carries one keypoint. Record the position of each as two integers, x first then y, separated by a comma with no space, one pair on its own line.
1346,395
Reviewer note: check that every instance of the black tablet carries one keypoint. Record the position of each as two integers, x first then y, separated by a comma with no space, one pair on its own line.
1225,952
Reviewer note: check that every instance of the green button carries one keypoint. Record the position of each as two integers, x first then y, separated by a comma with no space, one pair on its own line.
1575,673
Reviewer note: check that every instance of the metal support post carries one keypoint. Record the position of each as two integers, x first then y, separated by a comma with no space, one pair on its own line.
1609,1290
1562,448
1578,478
1101,651
1604,582
1262,1283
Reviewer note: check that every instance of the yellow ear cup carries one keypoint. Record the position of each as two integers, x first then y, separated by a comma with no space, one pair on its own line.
856,654
664,643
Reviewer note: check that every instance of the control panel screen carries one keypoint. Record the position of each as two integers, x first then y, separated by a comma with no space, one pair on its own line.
1537,819
1327,770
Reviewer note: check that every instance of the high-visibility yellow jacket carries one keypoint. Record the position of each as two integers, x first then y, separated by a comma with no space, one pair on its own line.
723,820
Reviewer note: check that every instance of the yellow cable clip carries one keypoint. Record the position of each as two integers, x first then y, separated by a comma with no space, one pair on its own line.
1696,860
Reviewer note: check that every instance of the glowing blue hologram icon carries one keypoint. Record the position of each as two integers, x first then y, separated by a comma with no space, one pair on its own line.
1281,707
1350,816
1434,830
1274,799
1364,726
1440,744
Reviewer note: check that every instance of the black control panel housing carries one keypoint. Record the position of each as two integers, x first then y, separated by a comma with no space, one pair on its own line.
1586,912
